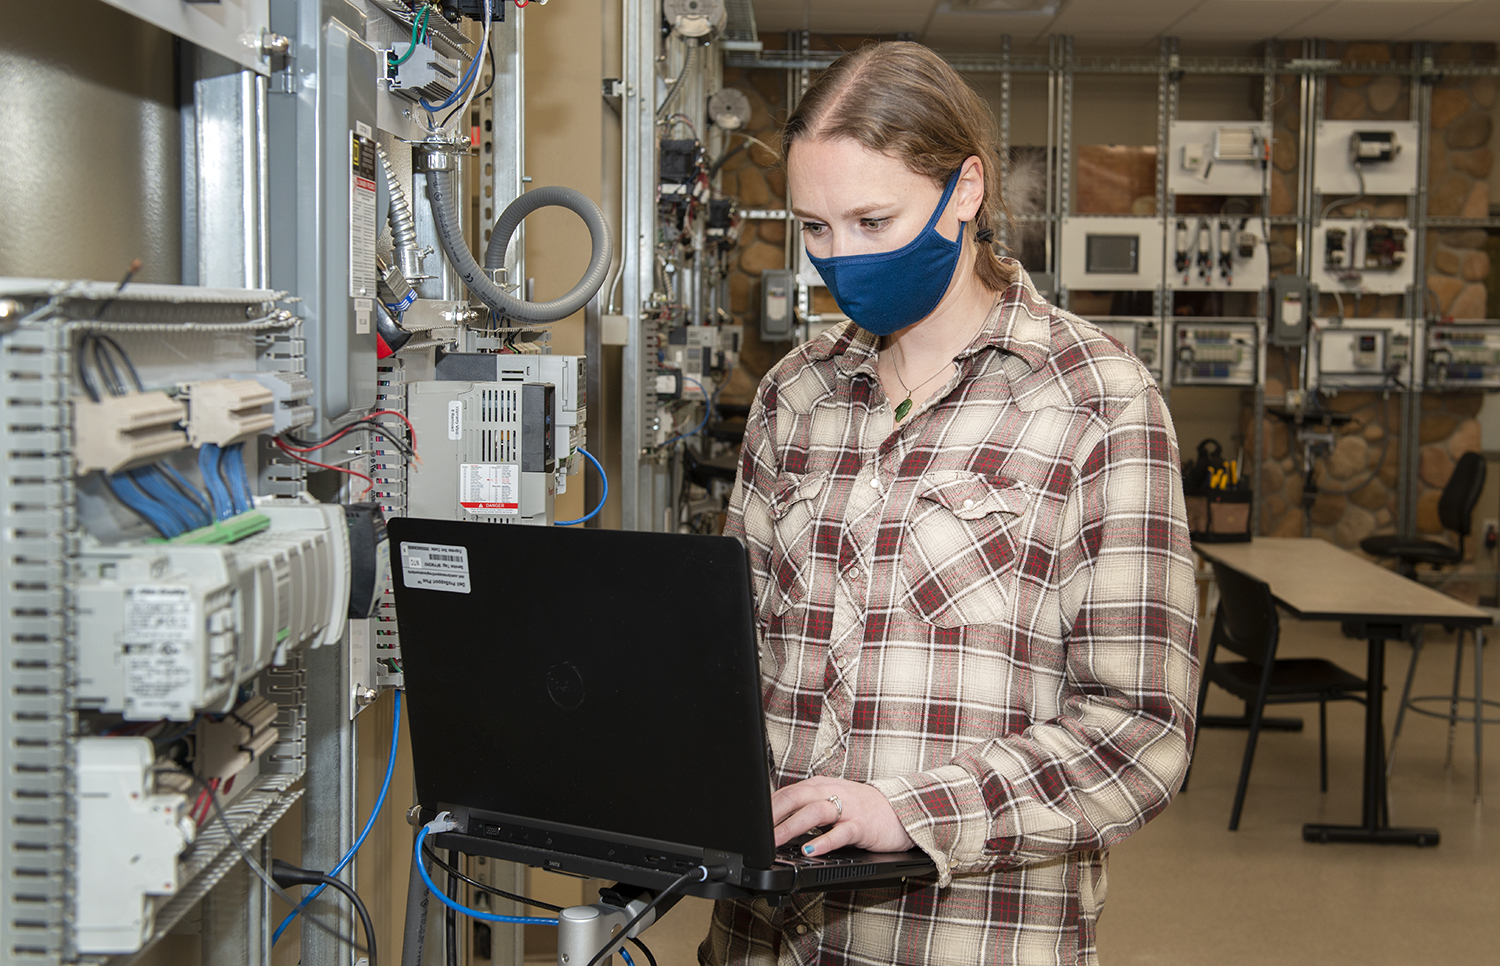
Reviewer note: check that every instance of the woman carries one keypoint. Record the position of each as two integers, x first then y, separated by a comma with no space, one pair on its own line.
971,563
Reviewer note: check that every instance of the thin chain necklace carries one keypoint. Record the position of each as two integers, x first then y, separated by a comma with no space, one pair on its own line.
904,406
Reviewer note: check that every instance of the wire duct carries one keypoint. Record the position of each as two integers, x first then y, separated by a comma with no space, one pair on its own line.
440,193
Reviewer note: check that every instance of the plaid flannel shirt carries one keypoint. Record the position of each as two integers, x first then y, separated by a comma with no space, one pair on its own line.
986,612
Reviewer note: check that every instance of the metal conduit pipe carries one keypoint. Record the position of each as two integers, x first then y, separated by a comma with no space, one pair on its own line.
441,194
403,223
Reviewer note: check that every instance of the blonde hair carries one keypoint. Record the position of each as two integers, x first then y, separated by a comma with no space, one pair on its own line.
901,99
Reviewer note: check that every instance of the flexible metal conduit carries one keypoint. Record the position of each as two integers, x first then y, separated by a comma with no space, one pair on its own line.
440,193
403,224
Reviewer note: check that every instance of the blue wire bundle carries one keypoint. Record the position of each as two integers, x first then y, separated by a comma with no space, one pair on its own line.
209,457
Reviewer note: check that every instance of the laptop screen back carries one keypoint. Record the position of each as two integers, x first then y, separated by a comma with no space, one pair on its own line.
601,679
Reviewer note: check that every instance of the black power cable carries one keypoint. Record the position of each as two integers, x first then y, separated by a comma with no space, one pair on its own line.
450,923
701,873
287,874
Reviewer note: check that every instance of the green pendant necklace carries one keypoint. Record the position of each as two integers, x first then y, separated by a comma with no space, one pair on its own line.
904,406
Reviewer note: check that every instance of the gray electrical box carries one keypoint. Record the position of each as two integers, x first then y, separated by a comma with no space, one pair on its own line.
322,185
488,451
778,303
1293,302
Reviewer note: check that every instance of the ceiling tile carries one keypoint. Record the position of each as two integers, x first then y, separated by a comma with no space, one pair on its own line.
1245,19
1365,20
1479,20
843,16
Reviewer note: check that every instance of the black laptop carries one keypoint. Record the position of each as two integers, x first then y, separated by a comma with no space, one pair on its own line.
588,701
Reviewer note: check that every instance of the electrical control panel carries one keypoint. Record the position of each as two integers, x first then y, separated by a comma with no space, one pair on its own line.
568,376
1366,158
1362,353
1463,356
487,453
1218,157
1102,253
1214,353
1225,253
1142,336
1363,256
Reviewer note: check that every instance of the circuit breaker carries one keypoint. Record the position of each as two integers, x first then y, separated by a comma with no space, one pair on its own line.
1363,256
487,451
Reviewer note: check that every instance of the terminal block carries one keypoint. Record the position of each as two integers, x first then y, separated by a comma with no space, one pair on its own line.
229,746
226,411
289,392
121,432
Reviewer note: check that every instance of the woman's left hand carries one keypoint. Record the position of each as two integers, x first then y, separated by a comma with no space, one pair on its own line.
862,817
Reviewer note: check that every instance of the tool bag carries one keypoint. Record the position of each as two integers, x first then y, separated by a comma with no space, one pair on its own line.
1218,499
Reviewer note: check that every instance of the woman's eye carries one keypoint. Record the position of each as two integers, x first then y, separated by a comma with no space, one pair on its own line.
873,224
813,227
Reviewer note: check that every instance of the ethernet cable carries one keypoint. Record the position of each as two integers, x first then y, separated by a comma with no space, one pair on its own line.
602,499
385,787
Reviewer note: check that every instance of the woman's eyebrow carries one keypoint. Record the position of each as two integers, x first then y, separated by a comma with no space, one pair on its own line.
856,212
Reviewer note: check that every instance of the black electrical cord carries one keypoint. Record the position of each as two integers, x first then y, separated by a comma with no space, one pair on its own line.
450,922
501,893
287,874
262,874
642,947
700,873
368,425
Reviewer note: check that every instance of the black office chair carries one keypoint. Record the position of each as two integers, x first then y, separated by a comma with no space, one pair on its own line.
1247,624
1455,511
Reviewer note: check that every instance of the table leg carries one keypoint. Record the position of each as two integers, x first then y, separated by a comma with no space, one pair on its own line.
1375,823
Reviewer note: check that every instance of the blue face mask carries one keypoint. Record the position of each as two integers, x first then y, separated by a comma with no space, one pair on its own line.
884,292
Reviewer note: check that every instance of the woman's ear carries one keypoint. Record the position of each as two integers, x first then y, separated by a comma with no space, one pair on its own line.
968,195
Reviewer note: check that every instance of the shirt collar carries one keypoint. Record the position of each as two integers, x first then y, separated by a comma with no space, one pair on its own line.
1018,324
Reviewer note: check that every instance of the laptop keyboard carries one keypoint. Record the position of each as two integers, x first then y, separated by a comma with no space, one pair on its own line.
791,854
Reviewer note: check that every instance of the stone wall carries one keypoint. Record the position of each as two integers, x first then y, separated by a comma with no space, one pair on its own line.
1358,479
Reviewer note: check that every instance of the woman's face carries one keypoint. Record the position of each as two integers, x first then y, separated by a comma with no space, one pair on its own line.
854,201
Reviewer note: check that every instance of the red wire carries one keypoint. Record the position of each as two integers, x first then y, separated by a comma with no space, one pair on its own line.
401,416
337,469
327,442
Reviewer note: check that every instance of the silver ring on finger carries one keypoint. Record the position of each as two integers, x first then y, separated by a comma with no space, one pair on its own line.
838,805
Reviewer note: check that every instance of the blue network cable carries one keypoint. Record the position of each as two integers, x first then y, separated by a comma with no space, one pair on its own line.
626,956
209,456
172,503
707,408
194,495
602,499
385,786
458,907
233,461
126,491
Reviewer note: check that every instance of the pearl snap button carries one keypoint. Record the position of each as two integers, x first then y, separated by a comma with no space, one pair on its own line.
968,504
874,483
802,930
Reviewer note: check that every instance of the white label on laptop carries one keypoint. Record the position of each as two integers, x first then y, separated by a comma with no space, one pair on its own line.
490,489
435,566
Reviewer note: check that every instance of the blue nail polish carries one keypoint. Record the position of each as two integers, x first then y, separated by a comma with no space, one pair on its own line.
807,850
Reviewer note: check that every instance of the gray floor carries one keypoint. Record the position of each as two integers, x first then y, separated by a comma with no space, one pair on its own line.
1187,891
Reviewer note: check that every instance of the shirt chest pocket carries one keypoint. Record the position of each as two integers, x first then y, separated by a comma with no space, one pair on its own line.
794,523
959,549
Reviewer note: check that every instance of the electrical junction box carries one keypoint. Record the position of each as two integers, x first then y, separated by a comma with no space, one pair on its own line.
1111,254
1218,158
1363,256
778,294
1463,356
1386,152
1368,355
127,840
1142,336
1293,301
168,629
487,451
1213,353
